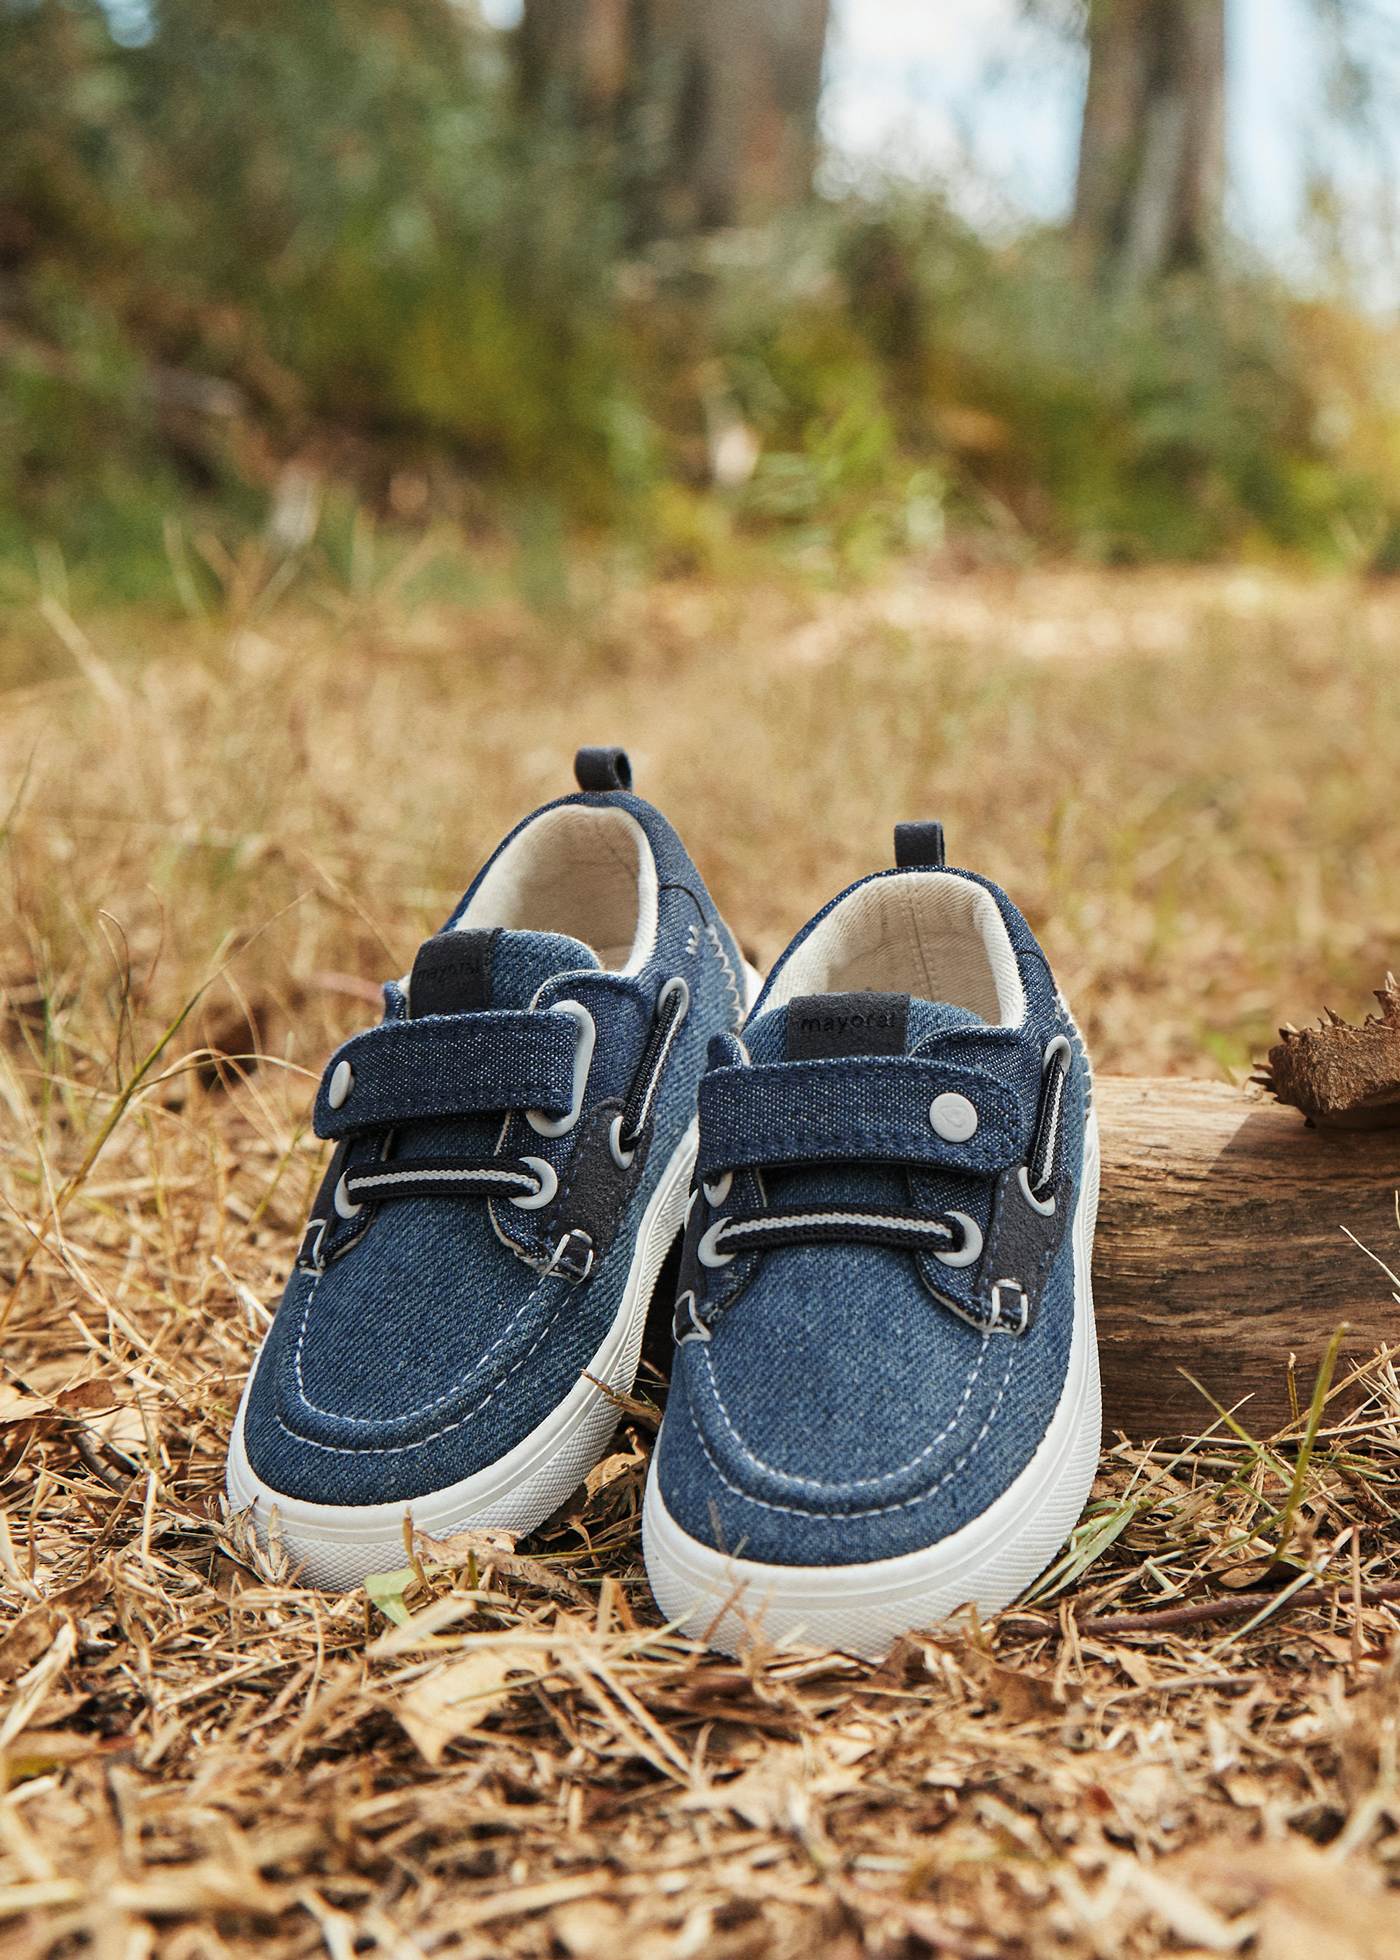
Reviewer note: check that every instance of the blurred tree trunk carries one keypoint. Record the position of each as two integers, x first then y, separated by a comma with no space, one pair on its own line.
709,106
1152,150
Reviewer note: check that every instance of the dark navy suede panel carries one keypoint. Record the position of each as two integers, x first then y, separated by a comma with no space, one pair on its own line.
841,1409
430,1347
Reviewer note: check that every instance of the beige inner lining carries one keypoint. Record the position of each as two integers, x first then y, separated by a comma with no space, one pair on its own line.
920,932
580,870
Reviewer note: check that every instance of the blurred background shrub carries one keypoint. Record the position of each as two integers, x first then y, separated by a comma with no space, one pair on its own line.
262,266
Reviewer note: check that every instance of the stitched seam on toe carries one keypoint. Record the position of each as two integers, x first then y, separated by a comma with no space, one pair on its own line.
425,1408
872,1510
854,1483
402,1449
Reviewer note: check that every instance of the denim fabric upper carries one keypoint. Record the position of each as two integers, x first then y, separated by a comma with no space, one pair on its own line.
842,1409
419,1345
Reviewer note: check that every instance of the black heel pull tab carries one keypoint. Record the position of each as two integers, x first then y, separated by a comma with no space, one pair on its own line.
919,847
603,769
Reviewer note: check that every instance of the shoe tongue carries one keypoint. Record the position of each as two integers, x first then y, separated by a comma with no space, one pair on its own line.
928,1019
521,962
821,1027
464,971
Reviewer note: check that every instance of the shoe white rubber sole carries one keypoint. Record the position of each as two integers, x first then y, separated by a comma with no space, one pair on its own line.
339,1545
733,1603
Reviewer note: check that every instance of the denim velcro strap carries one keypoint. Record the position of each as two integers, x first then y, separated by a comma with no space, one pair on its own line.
448,1065
872,1110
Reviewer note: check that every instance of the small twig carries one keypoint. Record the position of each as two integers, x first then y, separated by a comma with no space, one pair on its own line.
1167,1618
630,1405
92,1455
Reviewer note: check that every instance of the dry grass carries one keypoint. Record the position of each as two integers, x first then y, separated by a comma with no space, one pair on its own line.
214,837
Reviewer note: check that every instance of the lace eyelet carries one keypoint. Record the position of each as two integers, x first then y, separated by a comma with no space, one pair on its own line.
970,1251
558,1126
716,1193
622,1158
344,1203
676,985
341,1083
1045,1150
549,1184
1045,1206
707,1251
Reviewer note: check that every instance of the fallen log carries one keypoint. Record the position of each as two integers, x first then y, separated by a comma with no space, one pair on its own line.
1223,1252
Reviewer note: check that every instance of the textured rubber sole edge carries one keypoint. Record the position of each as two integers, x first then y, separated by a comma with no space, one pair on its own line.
734,1603
338,1545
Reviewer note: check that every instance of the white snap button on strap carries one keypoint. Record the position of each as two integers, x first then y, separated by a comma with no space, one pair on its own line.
341,1083
953,1117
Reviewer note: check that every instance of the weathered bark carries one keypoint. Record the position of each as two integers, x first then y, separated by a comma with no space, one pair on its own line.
711,110
1223,1250
1341,1076
1152,147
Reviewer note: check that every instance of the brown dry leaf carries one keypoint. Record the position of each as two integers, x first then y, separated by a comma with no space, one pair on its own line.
27,1638
609,1470
455,1699
37,1751
85,1396
1138,1667
122,1427
1017,1694
483,1545
775,1790
762,1795
16,1406
1242,1578
32,1688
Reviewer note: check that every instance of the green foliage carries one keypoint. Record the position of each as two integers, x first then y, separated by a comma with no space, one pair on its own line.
254,237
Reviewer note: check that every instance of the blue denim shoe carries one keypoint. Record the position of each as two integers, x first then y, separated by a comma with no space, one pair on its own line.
513,1147
885,1397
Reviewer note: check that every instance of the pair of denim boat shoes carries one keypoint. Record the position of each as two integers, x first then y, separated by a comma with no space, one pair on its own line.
884,1400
